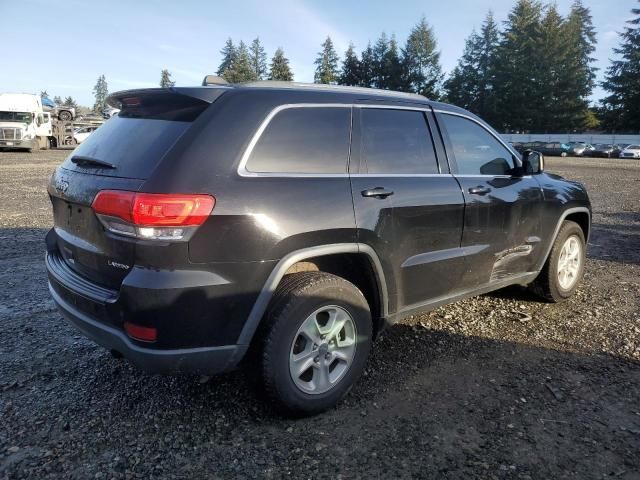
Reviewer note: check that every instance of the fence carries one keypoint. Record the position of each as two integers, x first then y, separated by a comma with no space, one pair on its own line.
572,137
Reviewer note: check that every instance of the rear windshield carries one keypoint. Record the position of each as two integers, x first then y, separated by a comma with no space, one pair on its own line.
135,140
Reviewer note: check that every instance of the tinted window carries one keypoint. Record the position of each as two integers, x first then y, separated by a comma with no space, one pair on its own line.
304,140
134,145
396,141
477,152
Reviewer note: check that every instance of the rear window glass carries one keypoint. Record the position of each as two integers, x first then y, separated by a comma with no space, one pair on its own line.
134,146
149,124
304,140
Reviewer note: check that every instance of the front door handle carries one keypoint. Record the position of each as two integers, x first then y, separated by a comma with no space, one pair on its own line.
479,190
378,192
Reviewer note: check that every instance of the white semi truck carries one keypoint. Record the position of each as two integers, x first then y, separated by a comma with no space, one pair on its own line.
23,122
25,125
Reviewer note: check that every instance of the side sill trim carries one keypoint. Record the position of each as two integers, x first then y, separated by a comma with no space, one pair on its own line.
522,279
264,297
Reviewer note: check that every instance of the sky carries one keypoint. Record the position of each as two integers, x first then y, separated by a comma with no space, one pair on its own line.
62,47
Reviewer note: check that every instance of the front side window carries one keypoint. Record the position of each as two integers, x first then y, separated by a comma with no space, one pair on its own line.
477,152
396,142
304,140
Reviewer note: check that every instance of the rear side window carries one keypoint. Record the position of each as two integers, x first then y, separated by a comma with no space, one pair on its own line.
476,150
304,140
396,141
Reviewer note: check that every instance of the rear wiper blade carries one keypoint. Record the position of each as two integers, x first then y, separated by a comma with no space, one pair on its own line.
90,161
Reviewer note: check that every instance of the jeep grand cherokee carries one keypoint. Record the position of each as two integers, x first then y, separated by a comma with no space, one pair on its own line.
288,224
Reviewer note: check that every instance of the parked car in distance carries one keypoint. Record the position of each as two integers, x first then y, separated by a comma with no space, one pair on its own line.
555,149
109,112
81,134
631,151
604,150
580,149
288,224
519,146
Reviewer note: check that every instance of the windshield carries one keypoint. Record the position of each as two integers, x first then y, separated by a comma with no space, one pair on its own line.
633,147
22,117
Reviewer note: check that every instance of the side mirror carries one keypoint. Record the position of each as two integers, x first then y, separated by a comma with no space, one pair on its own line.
532,162
38,120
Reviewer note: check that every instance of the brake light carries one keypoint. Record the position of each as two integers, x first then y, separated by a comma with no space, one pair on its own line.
152,215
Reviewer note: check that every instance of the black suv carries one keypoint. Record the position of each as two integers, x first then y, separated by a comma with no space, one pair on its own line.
284,225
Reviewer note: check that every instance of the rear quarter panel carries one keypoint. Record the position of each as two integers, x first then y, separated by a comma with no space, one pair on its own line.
255,218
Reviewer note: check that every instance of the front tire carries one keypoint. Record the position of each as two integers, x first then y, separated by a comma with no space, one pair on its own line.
564,267
315,342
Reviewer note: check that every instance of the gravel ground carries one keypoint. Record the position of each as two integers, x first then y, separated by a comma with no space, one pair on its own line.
498,386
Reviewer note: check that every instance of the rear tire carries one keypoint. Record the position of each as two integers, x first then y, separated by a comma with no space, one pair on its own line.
563,270
314,342
64,116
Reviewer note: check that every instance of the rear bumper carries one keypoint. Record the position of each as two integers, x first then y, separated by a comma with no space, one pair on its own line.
203,360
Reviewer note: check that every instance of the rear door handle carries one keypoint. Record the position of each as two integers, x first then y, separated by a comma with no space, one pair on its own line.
479,190
378,192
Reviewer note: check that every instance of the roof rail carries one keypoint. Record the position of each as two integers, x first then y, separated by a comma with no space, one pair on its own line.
330,88
213,80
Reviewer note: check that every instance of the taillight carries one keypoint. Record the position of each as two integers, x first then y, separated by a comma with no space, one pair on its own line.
156,216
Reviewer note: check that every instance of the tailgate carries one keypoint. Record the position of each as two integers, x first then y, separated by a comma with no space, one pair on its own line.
81,240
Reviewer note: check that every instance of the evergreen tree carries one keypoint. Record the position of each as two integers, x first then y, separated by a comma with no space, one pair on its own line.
280,67
57,100
228,57
365,74
394,67
463,85
350,74
327,64
380,51
70,102
100,91
258,59
44,94
489,35
622,81
578,76
516,68
241,69
550,68
165,79
421,60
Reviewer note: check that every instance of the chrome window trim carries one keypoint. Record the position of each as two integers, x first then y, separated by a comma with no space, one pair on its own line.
395,175
242,167
514,152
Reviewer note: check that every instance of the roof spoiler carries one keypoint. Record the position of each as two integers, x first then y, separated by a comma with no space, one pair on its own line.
124,98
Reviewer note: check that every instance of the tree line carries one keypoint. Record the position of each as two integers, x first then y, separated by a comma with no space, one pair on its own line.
533,73
247,64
